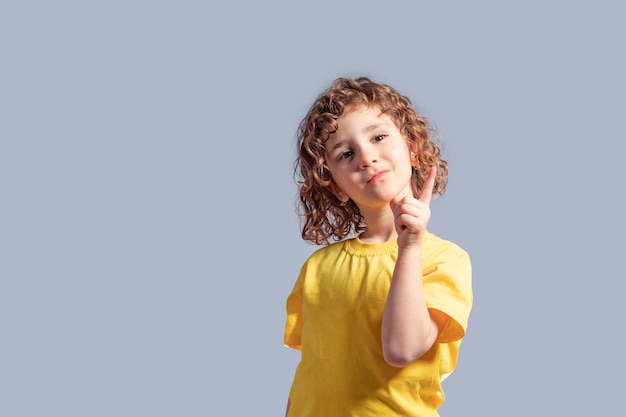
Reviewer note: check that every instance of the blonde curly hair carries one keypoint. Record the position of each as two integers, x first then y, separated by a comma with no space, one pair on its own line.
325,217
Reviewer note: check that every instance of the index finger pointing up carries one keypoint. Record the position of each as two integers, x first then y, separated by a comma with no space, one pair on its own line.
427,191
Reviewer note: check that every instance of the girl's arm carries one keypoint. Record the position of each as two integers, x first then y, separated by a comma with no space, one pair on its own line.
409,329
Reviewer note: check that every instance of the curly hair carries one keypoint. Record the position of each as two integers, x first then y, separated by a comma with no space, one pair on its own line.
325,217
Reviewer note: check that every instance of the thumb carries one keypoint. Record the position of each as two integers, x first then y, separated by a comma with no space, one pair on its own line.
394,201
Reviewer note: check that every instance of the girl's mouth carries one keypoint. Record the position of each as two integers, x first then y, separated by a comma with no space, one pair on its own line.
376,176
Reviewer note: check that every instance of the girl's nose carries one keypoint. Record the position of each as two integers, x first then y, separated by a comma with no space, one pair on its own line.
368,157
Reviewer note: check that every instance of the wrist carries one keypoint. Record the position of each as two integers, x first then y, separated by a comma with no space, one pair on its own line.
411,250
412,243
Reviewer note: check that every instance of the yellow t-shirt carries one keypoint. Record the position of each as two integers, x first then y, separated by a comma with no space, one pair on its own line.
334,316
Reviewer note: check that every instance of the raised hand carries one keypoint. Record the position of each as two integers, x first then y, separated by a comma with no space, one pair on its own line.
412,214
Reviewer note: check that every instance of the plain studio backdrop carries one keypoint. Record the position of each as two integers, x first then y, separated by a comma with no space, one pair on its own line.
148,229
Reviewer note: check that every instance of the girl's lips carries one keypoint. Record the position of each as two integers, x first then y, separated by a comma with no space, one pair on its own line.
376,176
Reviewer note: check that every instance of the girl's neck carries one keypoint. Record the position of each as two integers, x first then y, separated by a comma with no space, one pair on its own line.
380,227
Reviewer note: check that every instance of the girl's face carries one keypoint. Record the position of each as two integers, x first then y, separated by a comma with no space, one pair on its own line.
369,159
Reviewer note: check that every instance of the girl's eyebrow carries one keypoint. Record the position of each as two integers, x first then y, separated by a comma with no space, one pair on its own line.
374,126
339,144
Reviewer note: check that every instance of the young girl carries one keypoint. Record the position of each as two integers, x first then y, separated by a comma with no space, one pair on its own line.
380,313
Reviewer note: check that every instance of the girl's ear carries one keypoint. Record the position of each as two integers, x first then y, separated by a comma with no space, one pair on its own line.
414,150
341,196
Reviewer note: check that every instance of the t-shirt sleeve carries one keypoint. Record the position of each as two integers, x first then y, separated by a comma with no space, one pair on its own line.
448,288
293,326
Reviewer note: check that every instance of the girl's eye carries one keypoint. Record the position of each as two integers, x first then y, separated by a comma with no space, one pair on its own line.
345,155
378,138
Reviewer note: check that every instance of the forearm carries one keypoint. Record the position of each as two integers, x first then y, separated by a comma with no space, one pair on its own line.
408,330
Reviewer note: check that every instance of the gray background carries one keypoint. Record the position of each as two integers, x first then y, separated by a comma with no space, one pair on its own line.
148,230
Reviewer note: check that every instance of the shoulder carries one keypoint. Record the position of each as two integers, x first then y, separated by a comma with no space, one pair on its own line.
327,258
435,247
445,258
321,260
448,284
329,251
